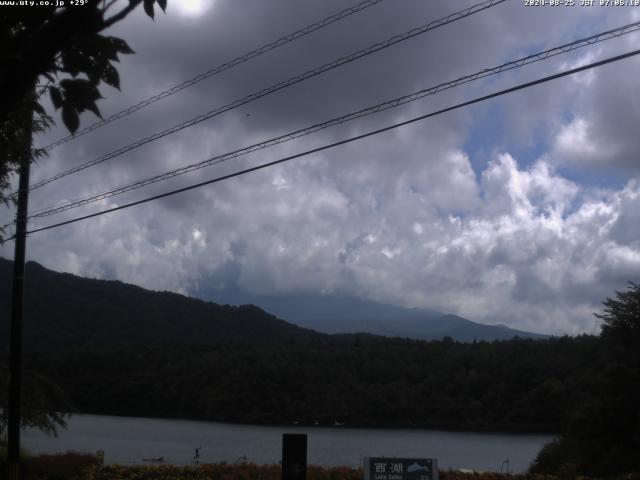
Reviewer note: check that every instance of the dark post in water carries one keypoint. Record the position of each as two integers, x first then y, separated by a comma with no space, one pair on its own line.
294,456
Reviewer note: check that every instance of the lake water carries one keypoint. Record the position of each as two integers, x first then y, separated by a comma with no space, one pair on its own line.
129,440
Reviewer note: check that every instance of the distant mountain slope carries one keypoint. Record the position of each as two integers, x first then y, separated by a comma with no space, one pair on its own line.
64,310
338,314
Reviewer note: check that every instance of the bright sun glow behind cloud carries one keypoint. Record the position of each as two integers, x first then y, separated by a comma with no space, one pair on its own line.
193,8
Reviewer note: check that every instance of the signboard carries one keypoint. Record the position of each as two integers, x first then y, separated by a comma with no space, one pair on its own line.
388,468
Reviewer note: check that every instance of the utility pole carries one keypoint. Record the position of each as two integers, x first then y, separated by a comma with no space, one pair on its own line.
17,300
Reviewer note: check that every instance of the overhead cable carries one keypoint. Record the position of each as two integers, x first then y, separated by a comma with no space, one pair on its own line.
219,69
343,142
591,40
279,86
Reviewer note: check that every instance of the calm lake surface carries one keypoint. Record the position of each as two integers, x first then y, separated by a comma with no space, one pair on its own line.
129,440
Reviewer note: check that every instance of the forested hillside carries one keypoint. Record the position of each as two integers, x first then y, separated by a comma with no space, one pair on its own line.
119,349
359,380
66,311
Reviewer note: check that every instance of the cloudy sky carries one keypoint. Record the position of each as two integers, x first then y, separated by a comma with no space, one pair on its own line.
521,210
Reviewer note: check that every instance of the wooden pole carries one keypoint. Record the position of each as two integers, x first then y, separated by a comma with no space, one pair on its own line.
294,456
17,300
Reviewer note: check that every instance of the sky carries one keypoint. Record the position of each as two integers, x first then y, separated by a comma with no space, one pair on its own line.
521,210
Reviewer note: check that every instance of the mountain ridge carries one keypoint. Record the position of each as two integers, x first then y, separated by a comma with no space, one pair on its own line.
66,311
340,314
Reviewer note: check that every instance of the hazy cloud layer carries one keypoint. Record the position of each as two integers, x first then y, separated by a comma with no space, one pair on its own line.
521,211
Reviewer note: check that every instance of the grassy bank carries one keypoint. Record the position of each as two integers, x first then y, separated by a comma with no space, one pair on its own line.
74,466
273,472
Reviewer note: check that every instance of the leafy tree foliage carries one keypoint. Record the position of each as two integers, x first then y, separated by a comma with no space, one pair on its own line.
602,435
64,48
52,41
45,407
621,340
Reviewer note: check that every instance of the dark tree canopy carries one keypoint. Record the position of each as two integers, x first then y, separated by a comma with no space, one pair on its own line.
45,43
621,337
621,318
60,52
602,435
45,407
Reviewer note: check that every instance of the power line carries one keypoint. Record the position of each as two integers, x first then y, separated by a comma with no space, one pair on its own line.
7,225
219,69
591,40
348,140
279,86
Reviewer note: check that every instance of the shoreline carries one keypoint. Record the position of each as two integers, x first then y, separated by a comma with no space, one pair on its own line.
432,427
